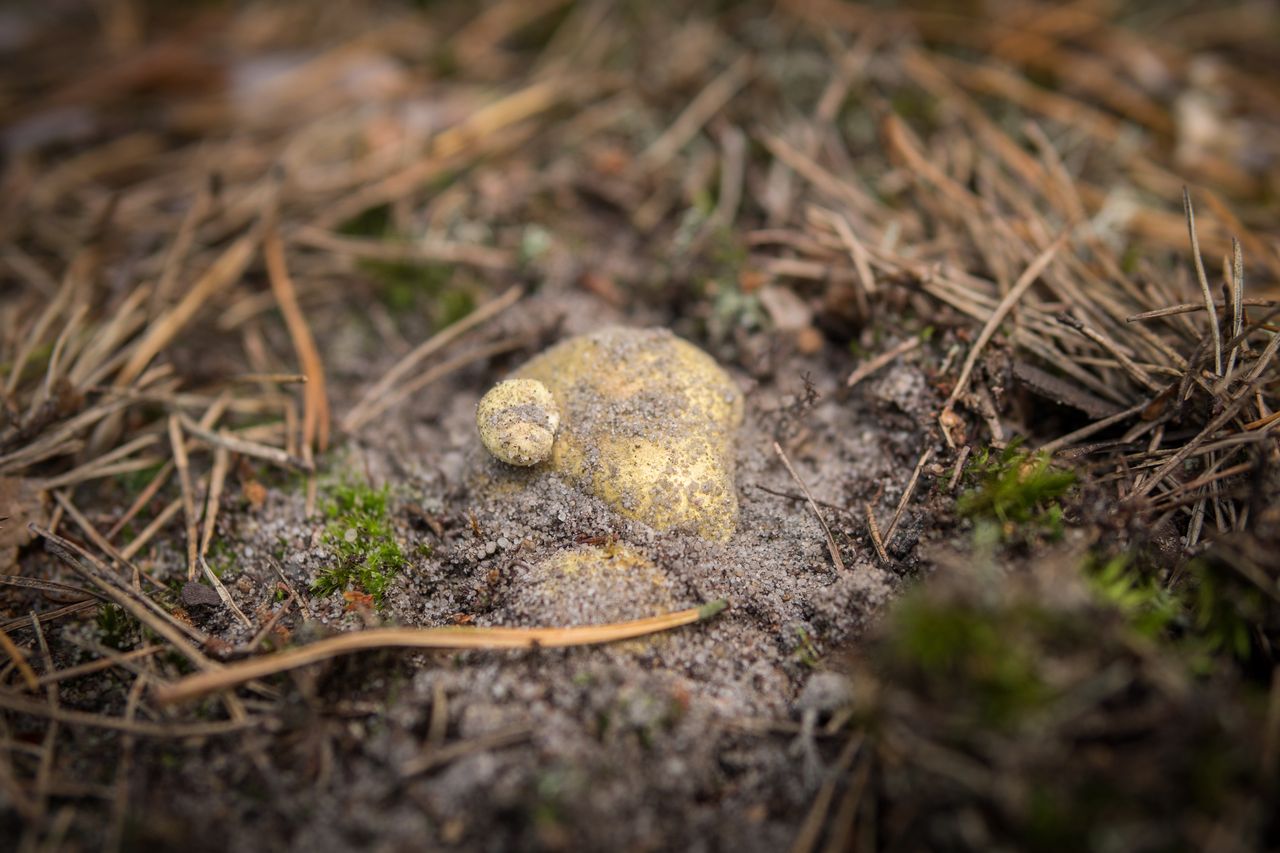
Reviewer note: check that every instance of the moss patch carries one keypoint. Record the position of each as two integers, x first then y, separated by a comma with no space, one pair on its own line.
1013,496
363,542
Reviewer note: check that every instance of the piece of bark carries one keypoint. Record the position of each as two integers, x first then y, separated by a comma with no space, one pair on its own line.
1045,384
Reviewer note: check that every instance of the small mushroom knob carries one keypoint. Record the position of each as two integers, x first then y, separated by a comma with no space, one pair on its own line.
518,420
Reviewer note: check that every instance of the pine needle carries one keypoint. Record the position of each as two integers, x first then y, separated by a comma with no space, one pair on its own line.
427,638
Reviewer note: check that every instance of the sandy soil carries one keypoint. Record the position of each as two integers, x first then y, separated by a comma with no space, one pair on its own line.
669,732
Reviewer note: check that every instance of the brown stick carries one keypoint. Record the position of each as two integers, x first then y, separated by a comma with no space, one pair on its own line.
831,540
862,371
200,684
315,413
1015,293
906,495
360,414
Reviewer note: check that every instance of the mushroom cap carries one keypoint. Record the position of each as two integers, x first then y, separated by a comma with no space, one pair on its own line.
517,420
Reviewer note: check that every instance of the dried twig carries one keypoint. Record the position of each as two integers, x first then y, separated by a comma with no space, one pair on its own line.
862,371
836,559
440,756
428,638
315,417
907,493
1015,293
873,527
360,414
1204,282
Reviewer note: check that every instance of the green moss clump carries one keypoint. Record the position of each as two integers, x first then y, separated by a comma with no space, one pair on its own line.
1215,610
1150,608
963,646
1027,711
421,286
360,535
1235,608
116,628
1013,496
806,652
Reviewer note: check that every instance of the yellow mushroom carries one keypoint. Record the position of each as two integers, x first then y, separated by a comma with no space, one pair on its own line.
518,420
649,426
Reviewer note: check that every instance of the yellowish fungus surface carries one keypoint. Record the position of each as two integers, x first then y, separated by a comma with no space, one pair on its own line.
517,421
593,584
649,423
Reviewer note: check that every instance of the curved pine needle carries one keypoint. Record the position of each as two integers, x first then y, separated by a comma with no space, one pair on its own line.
200,684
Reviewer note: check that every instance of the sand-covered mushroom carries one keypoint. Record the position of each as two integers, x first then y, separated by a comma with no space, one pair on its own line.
517,421
592,585
648,423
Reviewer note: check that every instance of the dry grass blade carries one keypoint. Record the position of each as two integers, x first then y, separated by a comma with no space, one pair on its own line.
435,374
59,441
440,756
1236,278
140,607
1002,310
1094,428
1130,367
144,497
387,251
360,414
22,705
1193,307
1254,380
907,493
46,585
481,129
183,242
149,532
428,638
179,446
217,478
224,439
19,623
873,528
20,661
1204,282
225,271
36,334
224,594
315,413
706,104
836,559
862,371
271,378
90,667
811,830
